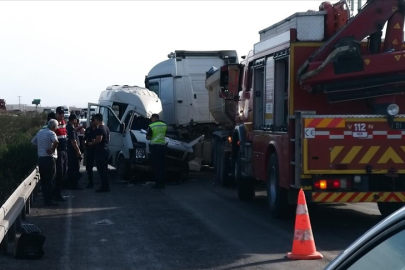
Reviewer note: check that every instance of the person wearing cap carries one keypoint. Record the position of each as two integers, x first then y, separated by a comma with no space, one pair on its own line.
62,161
89,137
74,154
102,151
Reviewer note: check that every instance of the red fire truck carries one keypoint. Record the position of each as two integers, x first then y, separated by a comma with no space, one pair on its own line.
318,105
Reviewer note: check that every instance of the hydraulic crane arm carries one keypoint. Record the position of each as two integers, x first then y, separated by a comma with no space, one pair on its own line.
344,49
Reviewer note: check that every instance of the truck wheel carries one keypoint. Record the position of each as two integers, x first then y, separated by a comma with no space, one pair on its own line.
218,161
123,168
276,196
246,185
387,208
224,168
215,153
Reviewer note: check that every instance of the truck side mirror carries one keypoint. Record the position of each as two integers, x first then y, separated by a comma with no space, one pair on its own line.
122,127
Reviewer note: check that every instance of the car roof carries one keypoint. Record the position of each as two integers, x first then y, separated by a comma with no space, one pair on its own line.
380,227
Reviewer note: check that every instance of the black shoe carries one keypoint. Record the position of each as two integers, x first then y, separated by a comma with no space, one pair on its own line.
51,204
90,185
60,199
103,189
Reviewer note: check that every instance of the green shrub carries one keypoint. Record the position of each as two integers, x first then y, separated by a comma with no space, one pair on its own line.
18,157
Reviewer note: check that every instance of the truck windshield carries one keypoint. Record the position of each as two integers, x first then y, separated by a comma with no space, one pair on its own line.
140,122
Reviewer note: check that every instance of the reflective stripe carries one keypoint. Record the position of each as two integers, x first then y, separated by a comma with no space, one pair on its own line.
62,136
303,235
302,209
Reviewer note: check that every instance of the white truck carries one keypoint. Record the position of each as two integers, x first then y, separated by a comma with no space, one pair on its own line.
126,111
180,84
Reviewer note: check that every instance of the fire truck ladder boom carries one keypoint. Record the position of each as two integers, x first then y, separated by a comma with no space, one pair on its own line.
346,44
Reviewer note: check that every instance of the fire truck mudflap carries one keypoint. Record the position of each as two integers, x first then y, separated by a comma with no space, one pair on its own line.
354,158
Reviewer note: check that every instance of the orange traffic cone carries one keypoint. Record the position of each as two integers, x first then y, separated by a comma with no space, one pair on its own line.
303,243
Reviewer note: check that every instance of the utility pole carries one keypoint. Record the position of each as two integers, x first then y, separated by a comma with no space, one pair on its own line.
19,103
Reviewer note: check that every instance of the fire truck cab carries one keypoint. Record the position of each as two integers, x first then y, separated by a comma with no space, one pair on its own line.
316,105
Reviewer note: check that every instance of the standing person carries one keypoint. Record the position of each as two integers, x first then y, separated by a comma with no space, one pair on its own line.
47,142
62,161
51,115
74,154
156,134
102,152
90,136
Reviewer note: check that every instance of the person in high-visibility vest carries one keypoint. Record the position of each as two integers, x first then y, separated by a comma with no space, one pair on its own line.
157,134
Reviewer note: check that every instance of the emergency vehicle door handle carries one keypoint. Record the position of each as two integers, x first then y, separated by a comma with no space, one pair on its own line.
179,101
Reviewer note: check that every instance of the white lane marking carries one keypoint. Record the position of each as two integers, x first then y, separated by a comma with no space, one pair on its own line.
65,260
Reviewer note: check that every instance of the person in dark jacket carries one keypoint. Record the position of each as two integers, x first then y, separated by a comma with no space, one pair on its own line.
102,151
89,137
74,154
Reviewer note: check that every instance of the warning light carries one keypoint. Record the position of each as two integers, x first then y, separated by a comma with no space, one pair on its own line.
332,184
229,139
323,184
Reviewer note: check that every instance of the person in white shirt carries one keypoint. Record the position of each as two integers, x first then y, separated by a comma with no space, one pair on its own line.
47,142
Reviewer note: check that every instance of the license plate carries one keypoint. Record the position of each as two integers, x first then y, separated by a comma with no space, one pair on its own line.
398,125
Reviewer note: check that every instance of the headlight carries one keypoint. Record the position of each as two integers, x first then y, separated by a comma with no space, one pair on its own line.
140,153
393,109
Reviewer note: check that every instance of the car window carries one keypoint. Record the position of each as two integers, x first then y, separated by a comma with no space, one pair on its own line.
389,254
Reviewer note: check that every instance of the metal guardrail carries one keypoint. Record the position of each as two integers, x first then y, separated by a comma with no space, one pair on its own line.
17,204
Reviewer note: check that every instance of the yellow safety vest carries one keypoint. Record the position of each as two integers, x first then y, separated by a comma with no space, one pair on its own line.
159,129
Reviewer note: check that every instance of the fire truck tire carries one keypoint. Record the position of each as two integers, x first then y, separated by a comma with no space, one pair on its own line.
277,196
123,169
246,185
387,208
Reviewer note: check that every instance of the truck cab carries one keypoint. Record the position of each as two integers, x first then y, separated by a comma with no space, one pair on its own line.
126,112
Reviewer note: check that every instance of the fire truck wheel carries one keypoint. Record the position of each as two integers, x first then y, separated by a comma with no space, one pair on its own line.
123,169
387,208
276,196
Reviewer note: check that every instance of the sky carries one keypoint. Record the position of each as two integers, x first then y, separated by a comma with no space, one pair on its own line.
67,52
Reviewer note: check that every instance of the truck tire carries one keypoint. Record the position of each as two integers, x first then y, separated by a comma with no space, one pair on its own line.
246,185
276,196
123,169
218,161
224,168
215,153
387,208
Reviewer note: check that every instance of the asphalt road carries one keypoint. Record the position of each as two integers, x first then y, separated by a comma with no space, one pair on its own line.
194,225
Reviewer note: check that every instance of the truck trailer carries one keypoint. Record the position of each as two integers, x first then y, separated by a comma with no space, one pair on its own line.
180,84
317,105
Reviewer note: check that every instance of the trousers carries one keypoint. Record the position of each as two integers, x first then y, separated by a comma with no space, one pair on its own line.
90,163
158,160
61,170
73,171
47,171
101,157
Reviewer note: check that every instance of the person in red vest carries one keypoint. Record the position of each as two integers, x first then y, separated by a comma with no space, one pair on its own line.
62,161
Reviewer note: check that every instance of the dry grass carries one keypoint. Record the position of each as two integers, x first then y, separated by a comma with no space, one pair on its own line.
18,157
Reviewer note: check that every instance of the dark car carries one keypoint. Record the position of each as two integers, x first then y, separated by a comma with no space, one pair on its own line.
382,247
